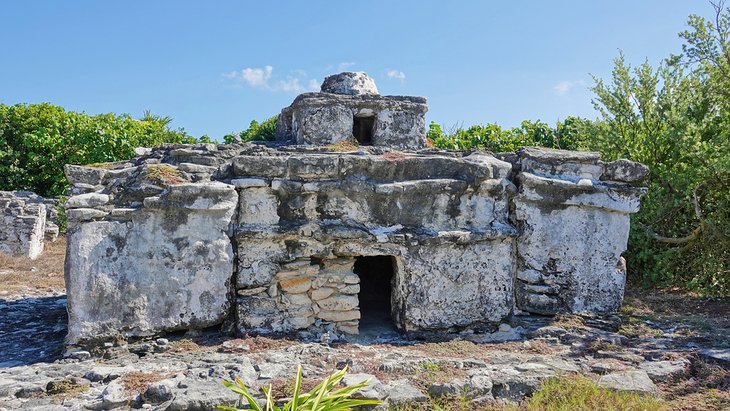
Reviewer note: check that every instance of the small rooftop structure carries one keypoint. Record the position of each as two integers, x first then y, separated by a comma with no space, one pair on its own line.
349,108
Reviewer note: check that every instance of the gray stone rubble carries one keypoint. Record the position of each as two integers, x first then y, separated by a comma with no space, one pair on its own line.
184,371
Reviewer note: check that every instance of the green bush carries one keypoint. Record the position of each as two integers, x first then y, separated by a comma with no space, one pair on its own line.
494,138
37,140
264,131
324,397
676,120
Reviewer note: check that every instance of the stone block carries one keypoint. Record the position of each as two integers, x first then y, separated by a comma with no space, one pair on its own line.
339,303
295,285
338,316
321,293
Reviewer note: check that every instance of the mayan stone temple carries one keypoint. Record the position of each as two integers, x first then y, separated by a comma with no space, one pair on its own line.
348,219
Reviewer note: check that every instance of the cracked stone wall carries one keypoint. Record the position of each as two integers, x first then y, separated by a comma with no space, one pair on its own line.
574,226
264,237
332,115
25,223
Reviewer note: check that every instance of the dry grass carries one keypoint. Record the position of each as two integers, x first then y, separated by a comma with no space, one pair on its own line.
342,146
536,346
453,348
574,392
105,166
66,388
569,321
261,343
639,330
284,387
455,404
183,346
705,386
394,155
458,348
567,393
701,316
137,382
164,175
658,304
20,275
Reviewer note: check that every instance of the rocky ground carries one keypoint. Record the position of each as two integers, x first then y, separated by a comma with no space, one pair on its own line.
674,347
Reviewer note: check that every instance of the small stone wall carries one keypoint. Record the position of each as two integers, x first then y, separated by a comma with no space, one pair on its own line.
324,118
264,238
303,295
349,109
23,223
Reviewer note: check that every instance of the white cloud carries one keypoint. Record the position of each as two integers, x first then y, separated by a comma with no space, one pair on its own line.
313,85
397,75
290,84
264,78
257,77
345,65
565,86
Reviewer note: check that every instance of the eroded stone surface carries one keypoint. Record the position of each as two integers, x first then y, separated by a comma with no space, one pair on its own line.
350,83
305,235
157,238
573,230
349,109
164,266
22,224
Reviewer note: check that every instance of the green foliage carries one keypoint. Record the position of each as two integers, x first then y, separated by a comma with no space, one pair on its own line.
494,138
675,120
323,397
61,219
264,131
37,140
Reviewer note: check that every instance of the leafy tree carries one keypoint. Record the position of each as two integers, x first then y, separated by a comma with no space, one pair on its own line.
264,131
670,119
37,140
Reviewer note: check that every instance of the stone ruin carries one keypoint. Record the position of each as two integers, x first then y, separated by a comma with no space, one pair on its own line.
350,109
27,220
308,235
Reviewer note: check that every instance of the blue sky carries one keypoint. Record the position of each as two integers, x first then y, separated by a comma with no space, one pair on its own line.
214,66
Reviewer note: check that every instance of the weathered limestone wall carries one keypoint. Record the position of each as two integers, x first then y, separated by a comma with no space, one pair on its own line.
573,229
22,224
165,265
442,218
324,118
189,236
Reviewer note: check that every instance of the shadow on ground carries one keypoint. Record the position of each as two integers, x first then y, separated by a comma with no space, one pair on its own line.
32,330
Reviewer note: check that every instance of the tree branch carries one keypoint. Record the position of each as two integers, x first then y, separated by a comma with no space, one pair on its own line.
672,240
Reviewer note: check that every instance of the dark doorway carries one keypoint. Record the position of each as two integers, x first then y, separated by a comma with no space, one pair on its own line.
376,284
362,129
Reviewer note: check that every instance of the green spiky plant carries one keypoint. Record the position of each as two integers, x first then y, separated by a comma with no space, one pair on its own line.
323,397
